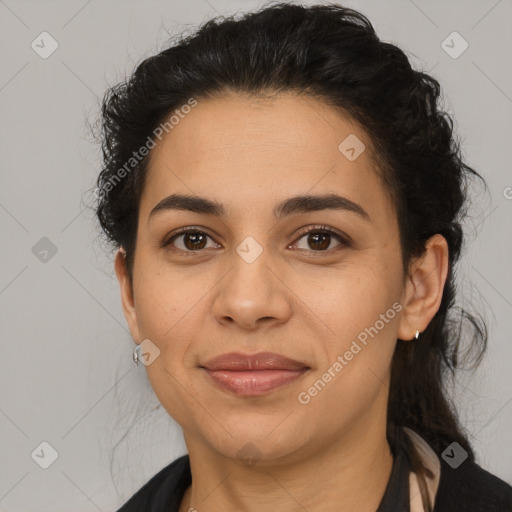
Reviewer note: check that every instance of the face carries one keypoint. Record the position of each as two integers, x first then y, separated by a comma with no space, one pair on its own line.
319,282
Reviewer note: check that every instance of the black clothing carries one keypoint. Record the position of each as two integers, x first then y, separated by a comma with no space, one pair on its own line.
469,488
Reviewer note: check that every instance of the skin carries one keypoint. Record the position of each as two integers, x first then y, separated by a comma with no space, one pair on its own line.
294,299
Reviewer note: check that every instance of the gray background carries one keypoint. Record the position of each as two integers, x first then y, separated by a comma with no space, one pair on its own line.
67,377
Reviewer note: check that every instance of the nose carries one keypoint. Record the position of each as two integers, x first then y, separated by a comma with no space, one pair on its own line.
252,294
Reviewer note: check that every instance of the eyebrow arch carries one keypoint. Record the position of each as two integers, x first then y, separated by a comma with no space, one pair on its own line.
295,204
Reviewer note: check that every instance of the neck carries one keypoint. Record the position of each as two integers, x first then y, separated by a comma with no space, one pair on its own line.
355,469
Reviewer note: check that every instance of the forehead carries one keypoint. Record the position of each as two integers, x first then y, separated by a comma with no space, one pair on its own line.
245,150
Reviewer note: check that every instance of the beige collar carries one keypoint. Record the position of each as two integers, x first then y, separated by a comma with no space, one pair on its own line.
431,461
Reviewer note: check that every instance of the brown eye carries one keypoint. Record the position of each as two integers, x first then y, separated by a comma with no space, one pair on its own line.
319,239
188,240
194,241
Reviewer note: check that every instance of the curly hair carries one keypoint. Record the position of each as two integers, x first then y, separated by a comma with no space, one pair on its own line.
331,53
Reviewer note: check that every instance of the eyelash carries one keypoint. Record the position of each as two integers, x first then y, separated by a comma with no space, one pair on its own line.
343,239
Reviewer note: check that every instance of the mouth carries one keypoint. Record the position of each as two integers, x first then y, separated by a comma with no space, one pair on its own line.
253,374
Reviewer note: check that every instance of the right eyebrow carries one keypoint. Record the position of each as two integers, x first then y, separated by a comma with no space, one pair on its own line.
194,204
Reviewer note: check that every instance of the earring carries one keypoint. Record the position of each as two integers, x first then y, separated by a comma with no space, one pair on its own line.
135,355
417,335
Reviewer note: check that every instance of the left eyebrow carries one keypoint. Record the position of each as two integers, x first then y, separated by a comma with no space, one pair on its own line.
309,203
295,204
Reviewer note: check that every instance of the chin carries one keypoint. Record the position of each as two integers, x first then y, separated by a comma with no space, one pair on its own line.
253,443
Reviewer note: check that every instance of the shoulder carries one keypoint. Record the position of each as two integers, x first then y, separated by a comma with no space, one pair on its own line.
163,492
466,488
471,488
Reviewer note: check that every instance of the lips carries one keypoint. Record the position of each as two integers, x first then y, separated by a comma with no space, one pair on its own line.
260,361
253,374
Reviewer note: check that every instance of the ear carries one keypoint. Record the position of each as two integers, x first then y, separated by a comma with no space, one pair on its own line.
424,287
127,294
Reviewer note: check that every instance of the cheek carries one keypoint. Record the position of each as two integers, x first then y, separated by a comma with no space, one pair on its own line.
172,316
362,315
167,312
350,299
361,310
162,296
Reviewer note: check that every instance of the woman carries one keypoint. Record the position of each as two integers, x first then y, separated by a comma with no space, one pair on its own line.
286,200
